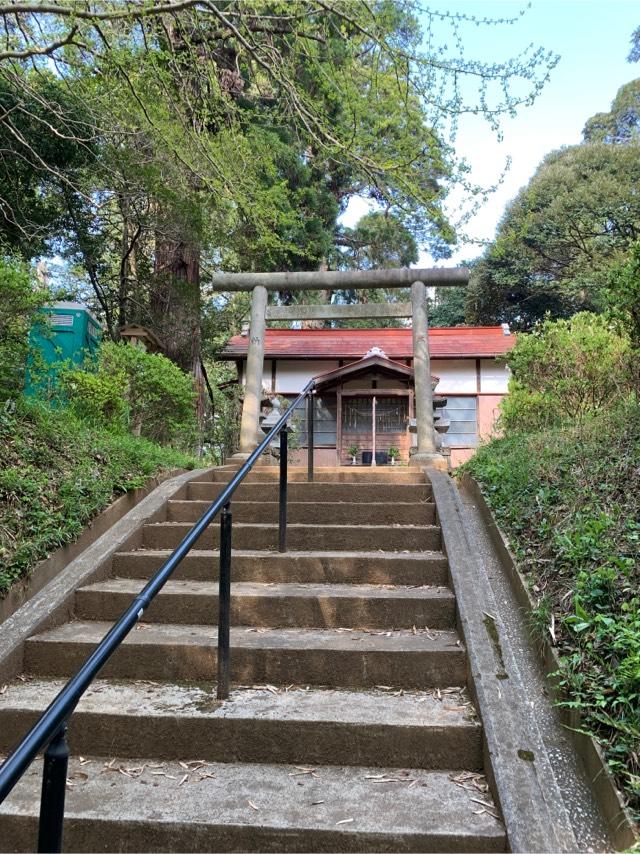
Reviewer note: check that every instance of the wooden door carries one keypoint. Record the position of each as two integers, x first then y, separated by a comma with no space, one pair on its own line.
356,426
391,423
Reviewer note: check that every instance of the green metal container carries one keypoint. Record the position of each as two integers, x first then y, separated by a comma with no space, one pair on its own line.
69,333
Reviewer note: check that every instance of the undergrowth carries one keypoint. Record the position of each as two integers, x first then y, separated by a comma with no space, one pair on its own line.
568,499
56,474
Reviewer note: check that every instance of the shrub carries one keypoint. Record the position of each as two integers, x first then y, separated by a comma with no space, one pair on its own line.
97,396
222,432
146,392
622,293
567,369
56,473
20,299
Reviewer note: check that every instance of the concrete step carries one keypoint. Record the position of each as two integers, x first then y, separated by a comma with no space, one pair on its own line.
143,805
312,512
335,657
261,724
286,605
411,568
316,491
348,474
167,535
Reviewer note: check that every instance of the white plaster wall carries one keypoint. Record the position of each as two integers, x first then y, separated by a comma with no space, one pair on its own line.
456,375
293,375
494,376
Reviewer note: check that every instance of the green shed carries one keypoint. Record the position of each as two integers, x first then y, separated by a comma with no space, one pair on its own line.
70,333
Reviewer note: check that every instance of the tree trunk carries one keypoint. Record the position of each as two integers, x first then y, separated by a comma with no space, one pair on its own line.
175,306
323,298
175,300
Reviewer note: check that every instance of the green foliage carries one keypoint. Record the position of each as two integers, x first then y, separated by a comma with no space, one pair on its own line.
524,409
44,123
222,435
622,124
144,391
567,369
96,395
634,52
448,307
232,137
569,500
623,294
378,241
56,473
558,240
293,211
20,299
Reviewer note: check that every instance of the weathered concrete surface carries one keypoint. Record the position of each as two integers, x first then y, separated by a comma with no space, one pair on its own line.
167,535
425,434
317,491
355,574
329,567
534,810
400,277
54,602
256,808
348,474
308,512
249,424
278,604
578,785
346,658
298,726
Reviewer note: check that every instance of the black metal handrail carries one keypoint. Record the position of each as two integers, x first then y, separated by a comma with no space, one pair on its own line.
50,729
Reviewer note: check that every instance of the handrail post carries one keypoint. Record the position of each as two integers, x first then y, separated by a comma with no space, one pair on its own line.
54,785
282,510
310,408
224,602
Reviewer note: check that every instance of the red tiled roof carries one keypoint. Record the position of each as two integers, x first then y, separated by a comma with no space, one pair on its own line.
458,342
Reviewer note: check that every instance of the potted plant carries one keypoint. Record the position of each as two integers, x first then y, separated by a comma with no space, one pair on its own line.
352,450
393,454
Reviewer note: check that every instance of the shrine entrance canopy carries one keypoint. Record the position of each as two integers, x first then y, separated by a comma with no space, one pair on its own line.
418,279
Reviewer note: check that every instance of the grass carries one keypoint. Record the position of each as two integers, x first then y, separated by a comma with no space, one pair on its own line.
56,474
568,499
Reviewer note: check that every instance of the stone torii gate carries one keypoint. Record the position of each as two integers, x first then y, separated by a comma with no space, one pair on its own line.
261,283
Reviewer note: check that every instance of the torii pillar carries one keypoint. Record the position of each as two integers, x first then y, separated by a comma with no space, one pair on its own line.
427,452
250,423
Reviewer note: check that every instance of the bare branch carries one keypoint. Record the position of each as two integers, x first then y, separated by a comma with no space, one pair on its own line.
27,53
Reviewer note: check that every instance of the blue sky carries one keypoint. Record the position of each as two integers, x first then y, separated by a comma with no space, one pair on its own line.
592,38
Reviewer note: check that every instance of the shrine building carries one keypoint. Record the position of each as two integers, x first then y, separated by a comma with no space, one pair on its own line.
365,393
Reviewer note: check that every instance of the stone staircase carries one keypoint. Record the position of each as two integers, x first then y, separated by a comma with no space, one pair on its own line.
349,727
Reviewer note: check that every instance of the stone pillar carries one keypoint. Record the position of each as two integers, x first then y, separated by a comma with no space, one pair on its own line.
249,425
427,453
